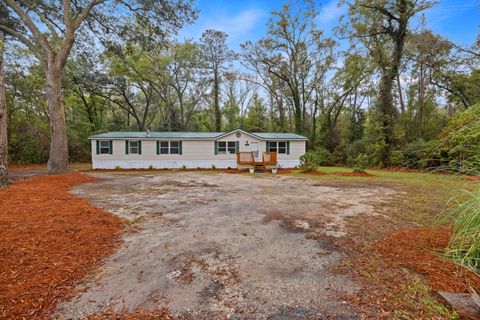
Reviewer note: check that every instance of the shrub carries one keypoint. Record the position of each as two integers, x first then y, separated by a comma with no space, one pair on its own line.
360,163
458,146
373,150
464,247
214,167
418,155
117,168
150,167
311,160
184,167
308,161
324,157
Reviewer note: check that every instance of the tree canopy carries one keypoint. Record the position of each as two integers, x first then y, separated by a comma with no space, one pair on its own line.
384,88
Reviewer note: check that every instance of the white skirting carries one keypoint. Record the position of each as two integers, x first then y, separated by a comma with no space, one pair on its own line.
177,164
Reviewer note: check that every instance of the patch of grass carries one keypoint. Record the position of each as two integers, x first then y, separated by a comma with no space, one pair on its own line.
464,247
418,292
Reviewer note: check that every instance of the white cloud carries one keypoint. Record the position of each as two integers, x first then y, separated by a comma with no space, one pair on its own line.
239,26
330,13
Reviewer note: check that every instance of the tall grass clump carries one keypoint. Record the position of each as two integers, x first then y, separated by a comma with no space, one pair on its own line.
464,247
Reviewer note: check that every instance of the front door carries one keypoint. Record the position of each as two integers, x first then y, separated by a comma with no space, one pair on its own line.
254,148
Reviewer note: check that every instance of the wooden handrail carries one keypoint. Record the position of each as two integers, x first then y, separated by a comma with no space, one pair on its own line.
246,158
269,158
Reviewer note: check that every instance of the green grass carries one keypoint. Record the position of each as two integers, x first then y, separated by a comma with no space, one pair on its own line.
464,247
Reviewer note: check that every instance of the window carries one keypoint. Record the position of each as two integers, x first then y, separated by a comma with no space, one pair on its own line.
104,147
164,147
133,147
174,147
225,147
277,146
169,147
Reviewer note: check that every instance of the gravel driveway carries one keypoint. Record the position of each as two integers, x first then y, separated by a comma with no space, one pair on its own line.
212,245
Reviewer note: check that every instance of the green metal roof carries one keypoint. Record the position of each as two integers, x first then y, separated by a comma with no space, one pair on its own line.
193,135
273,136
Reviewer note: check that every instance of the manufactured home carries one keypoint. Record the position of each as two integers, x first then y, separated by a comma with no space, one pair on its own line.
235,149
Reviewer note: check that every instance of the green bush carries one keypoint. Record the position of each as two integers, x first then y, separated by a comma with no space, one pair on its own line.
311,160
360,163
417,155
458,146
324,157
464,247
308,161
372,150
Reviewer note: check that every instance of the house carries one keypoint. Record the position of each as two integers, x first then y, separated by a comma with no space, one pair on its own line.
192,149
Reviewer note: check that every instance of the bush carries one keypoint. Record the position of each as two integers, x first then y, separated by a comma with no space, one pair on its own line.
464,247
364,146
360,163
417,155
458,146
308,161
311,160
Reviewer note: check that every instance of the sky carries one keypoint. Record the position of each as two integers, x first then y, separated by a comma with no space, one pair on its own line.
242,20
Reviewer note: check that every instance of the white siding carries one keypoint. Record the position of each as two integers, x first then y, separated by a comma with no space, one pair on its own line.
195,154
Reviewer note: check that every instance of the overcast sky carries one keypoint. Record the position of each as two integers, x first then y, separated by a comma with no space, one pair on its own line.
458,20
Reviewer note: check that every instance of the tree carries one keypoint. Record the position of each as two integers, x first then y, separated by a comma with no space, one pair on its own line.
293,52
50,29
238,95
257,115
6,20
216,55
382,27
181,70
3,115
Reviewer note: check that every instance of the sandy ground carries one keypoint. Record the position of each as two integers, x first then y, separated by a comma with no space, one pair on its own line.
216,245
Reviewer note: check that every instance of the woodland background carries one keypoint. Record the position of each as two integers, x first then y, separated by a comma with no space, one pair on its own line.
384,91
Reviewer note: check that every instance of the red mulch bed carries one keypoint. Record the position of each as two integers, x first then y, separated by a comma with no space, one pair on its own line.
472,178
234,171
354,174
420,250
314,173
49,240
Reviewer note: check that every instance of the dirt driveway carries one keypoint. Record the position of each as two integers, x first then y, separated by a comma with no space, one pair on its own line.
214,245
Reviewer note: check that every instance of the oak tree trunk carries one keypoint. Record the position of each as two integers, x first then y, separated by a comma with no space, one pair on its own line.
3,119
58,158
386,115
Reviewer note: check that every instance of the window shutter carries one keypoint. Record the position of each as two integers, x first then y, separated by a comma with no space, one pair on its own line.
126,147
111,146
98,147
288,147
268,146
139,147
180,151
216,146
158,147
237,146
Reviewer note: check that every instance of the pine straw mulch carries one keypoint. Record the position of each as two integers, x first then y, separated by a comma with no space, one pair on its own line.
393,261
49,240
420,250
